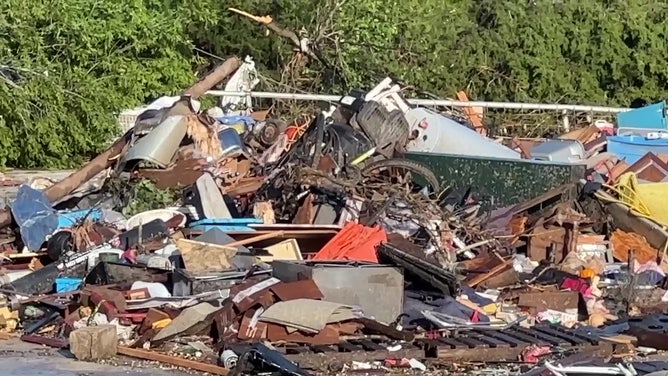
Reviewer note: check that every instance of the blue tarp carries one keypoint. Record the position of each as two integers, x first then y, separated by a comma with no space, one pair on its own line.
36,218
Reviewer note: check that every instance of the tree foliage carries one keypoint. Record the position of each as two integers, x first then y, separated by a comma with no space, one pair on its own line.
69,66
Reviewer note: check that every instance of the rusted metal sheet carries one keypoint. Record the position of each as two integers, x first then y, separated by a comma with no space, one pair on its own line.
183,173
558,300
304,289
543,238
623,242
386,330
650,167
329,335
252,333
245,186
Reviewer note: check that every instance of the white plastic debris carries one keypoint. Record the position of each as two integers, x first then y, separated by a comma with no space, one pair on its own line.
394,348
416,364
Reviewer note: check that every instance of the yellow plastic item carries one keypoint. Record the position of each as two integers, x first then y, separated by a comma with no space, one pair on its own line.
646,200
490,309
161,323
11,325
587,273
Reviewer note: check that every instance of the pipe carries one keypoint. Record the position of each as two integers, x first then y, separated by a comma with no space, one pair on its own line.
424,102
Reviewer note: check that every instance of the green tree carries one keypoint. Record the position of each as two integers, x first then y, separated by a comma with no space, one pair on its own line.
68,67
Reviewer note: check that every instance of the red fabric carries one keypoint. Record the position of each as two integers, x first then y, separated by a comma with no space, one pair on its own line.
573,284
354,242
534,353
130,255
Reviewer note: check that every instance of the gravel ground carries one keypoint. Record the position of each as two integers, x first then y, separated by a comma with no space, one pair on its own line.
19,358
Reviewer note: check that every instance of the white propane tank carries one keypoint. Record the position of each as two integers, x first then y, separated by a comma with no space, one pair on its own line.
438,134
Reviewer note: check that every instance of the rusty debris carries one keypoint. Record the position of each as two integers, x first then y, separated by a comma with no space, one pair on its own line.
321,243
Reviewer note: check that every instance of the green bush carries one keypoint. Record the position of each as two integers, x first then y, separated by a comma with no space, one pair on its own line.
70,66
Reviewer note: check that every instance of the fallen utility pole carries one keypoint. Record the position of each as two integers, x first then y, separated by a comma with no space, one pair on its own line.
103,161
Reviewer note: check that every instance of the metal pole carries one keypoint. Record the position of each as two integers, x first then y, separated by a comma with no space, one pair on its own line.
424,102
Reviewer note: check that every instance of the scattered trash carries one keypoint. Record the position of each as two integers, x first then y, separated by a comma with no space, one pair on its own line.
369,236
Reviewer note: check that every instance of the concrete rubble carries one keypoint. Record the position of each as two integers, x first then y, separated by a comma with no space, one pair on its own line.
367,237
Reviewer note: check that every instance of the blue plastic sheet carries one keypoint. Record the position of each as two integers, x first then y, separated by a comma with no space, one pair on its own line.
36,218
65,284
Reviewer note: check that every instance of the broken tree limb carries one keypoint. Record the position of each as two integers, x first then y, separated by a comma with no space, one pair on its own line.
105,160
268,22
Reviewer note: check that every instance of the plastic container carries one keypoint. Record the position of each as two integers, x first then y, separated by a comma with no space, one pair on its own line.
109,257
94,256
68,219
440,135
151,215
632,148
65,284
225,224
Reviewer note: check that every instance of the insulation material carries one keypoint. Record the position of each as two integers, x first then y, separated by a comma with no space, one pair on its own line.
204,138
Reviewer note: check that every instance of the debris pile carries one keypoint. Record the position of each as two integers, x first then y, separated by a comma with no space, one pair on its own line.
367,236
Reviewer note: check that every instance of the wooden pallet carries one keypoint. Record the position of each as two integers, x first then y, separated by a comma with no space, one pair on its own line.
467,346
487,345
317,356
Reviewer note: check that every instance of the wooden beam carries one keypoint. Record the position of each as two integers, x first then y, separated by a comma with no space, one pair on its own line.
172,360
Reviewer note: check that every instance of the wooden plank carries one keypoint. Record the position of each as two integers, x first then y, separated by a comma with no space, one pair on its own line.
172,360
322,348
593,339
558,300
479,355
24,255
347,346
514,342
368,345
575,340
483,277
339,359
297,350
492,342
553,340
7,336
472,342
453,343
528,339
